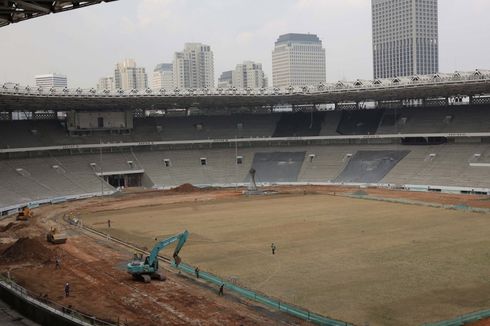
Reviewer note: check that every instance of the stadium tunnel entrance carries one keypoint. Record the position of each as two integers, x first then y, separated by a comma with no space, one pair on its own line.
124,179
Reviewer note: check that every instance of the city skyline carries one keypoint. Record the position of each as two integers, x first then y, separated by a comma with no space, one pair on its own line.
344,27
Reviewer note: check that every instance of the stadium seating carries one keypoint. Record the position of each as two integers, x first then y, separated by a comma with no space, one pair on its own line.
453,119
449,164
299,124
34,179
444,165
362,122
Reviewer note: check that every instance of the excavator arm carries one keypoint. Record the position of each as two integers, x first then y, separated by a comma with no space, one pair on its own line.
181,238
180,244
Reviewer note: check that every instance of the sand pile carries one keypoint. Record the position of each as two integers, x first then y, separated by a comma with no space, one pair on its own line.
185,188
27,249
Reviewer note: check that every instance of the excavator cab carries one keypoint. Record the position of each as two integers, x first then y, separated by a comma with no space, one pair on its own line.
25,214
148,269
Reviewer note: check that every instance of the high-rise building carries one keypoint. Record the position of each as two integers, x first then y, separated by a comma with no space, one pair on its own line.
163,76
249,75
106,83
128,76
226,79
298,60
405,37
51,80
194,67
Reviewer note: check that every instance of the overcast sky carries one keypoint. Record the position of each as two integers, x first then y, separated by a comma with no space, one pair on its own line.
85,44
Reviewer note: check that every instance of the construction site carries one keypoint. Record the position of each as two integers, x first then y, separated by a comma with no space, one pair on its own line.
364,256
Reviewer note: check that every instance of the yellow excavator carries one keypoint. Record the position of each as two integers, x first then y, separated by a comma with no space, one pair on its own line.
25,214
56,237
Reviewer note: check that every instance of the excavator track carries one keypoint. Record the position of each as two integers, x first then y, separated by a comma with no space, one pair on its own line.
159,275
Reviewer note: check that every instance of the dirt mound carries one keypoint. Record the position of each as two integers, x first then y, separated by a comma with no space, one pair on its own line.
26,249
185,188
12,227
6,227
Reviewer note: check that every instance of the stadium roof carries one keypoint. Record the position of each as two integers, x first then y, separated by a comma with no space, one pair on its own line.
16,98
13,11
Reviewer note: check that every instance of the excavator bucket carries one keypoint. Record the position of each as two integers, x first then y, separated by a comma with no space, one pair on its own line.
177,260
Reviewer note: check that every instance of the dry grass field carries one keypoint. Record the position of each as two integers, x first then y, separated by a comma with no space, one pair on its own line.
351,259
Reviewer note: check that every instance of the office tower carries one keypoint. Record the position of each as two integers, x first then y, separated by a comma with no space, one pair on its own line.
128,76
194,67
249,75
226,79
106,83
163,77
298,60
405,37
51,80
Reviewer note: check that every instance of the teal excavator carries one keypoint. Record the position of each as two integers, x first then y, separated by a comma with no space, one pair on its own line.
147,269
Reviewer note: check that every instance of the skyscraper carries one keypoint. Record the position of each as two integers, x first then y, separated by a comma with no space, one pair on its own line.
128,76
249,74
405,37
51,80
298,60
163,76
194,67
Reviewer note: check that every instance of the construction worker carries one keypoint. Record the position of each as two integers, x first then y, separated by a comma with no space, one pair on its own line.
273,248
67,290
197,272
109,224
221,288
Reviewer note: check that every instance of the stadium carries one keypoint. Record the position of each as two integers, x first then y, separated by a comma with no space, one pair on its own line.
373,194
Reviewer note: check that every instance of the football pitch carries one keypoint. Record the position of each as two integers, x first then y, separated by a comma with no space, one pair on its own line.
357,260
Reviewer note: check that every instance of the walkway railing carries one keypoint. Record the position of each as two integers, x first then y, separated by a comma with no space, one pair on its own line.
461,320
50,307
